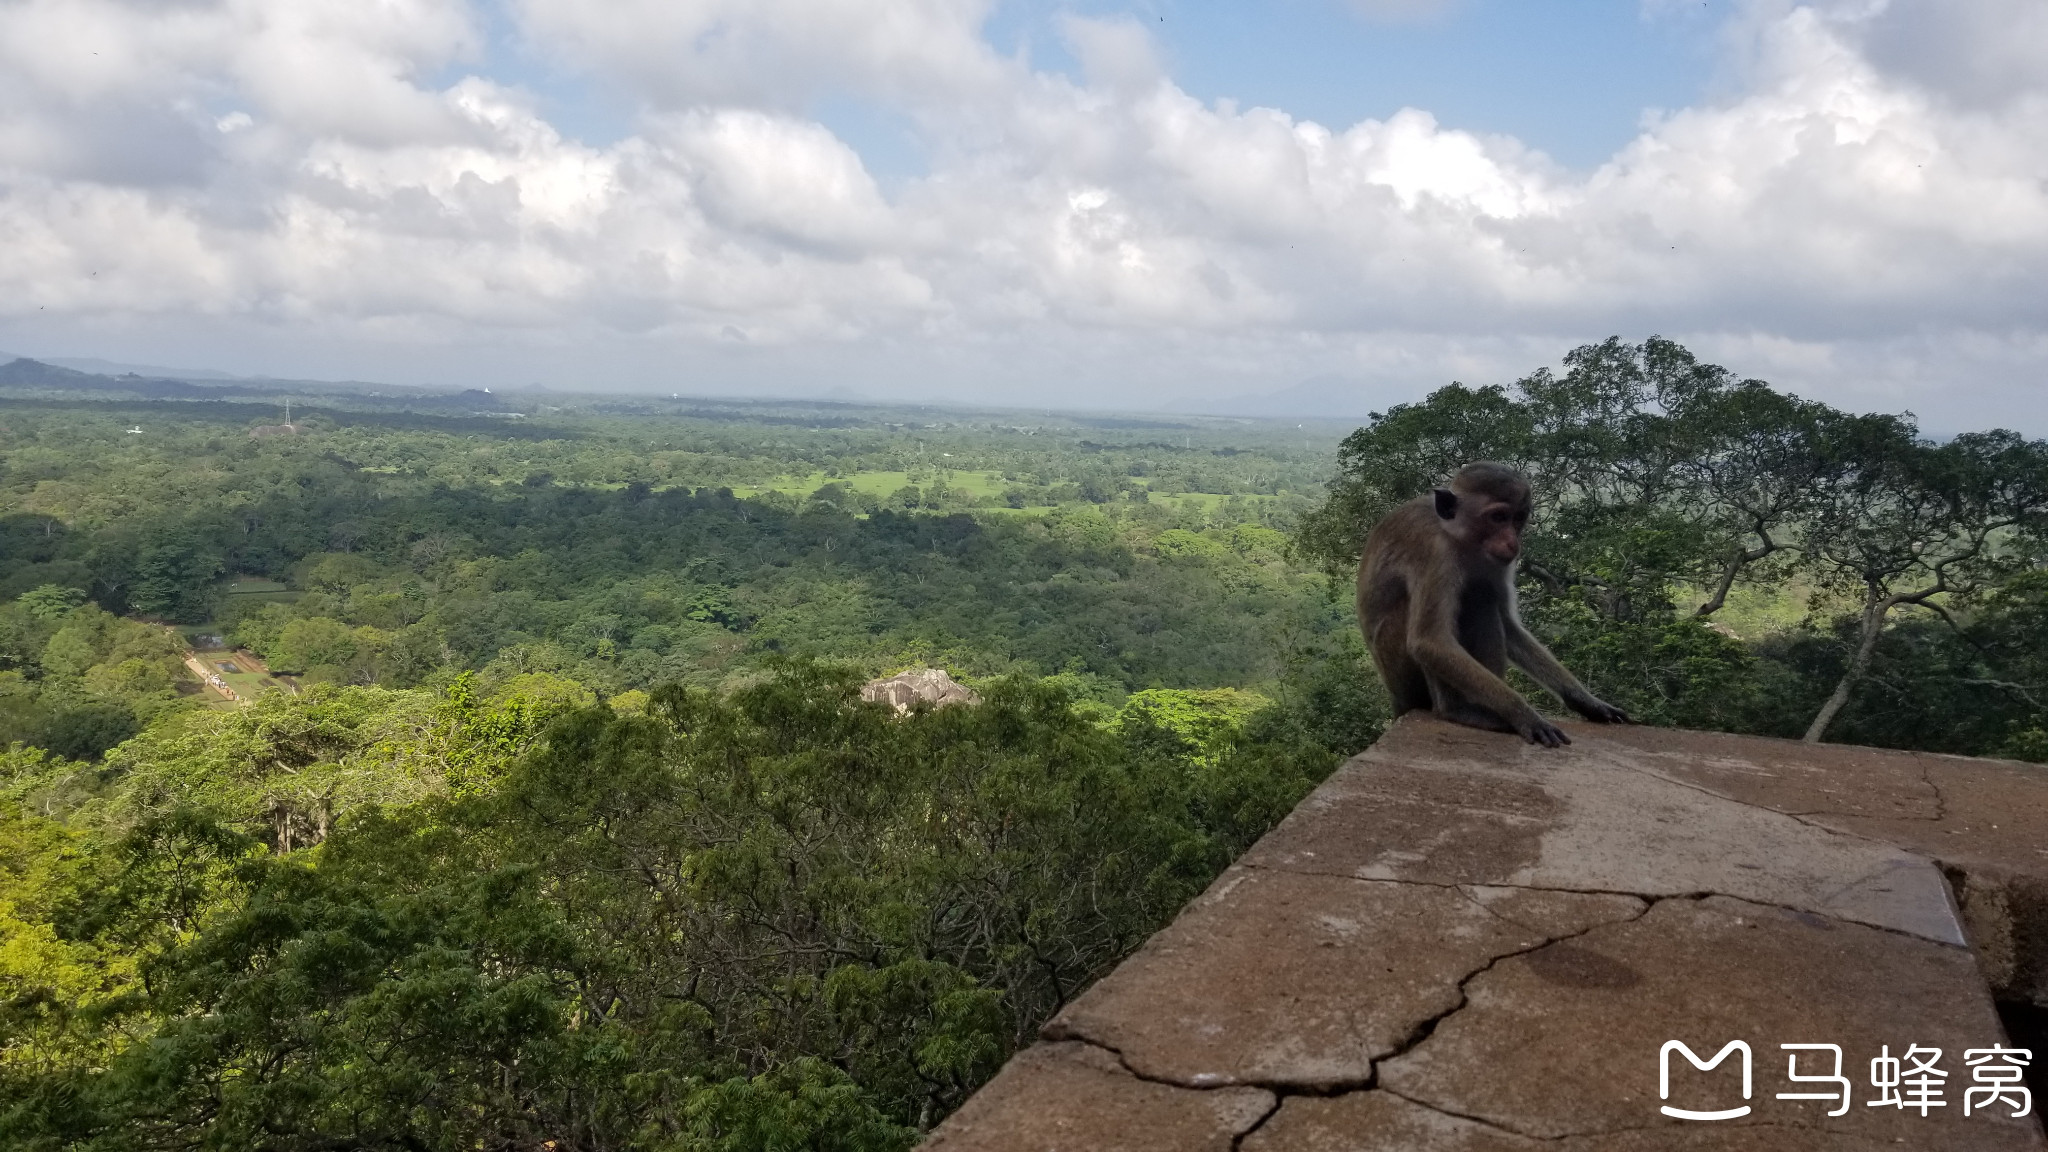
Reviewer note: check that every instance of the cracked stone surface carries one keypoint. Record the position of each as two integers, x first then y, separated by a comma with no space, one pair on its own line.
1994,814
1564,1040
1211,1000
1077,1098
1784,775
1464,943
1451,805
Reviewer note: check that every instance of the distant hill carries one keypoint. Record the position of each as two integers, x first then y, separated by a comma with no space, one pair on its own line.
467,400
23,370
39,375
1323,397
100,367
26,373
221,383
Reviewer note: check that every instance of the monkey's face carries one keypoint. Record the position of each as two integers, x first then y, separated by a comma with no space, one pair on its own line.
1485,523
1500,530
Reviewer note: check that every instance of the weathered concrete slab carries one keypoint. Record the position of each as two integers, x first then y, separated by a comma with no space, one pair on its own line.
1565,1040
1077,1098
1991,814
1259,981
1448,805
1783,775
1460,942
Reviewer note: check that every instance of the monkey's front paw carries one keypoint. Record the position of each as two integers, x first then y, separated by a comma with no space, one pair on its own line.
1540,731
1601,712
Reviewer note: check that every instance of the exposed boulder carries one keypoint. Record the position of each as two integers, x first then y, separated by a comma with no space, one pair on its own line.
931,685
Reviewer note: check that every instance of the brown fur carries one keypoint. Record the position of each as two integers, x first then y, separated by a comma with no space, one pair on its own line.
1436,601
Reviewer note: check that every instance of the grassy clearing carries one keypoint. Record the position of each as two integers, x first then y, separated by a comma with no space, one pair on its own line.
1204,502
1759,610
241,674
980,484
881,484
247,588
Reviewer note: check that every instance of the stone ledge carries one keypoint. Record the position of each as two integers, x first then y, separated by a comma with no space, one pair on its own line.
1078,1098
1462,942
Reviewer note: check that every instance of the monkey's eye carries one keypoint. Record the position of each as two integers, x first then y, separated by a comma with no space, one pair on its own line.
1500,516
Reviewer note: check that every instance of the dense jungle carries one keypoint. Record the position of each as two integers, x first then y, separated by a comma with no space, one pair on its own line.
489,771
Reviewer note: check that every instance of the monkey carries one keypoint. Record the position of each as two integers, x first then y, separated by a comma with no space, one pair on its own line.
1436,601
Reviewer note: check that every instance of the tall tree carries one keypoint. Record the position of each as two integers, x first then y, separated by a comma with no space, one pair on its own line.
1649,467
1904,523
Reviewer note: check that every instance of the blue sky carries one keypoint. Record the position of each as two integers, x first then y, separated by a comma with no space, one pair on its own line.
1569,77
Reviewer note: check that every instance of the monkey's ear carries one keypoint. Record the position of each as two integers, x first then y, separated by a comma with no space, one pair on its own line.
1446,502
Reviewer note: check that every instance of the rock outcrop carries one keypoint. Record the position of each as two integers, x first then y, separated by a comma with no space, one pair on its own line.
1461,942
904,690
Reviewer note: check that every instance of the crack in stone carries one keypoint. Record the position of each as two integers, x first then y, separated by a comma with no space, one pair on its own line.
1469,1118
1169,1082
1799,818
1237,1141
1466,890
1422,1031
1650,897
1339,1088
1927,778
1280,1095
1588,1134
1920,758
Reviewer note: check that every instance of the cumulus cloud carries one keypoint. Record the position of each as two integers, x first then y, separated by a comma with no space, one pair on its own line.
1979,55
678,53
1860,219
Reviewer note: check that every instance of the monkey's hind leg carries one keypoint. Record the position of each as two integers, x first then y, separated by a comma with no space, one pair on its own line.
1407,685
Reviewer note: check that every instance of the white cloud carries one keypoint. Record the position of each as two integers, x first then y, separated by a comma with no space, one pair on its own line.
1983,54
682,53
1855,218
788,180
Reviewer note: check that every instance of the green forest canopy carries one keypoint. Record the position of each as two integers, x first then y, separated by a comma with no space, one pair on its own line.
576,834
